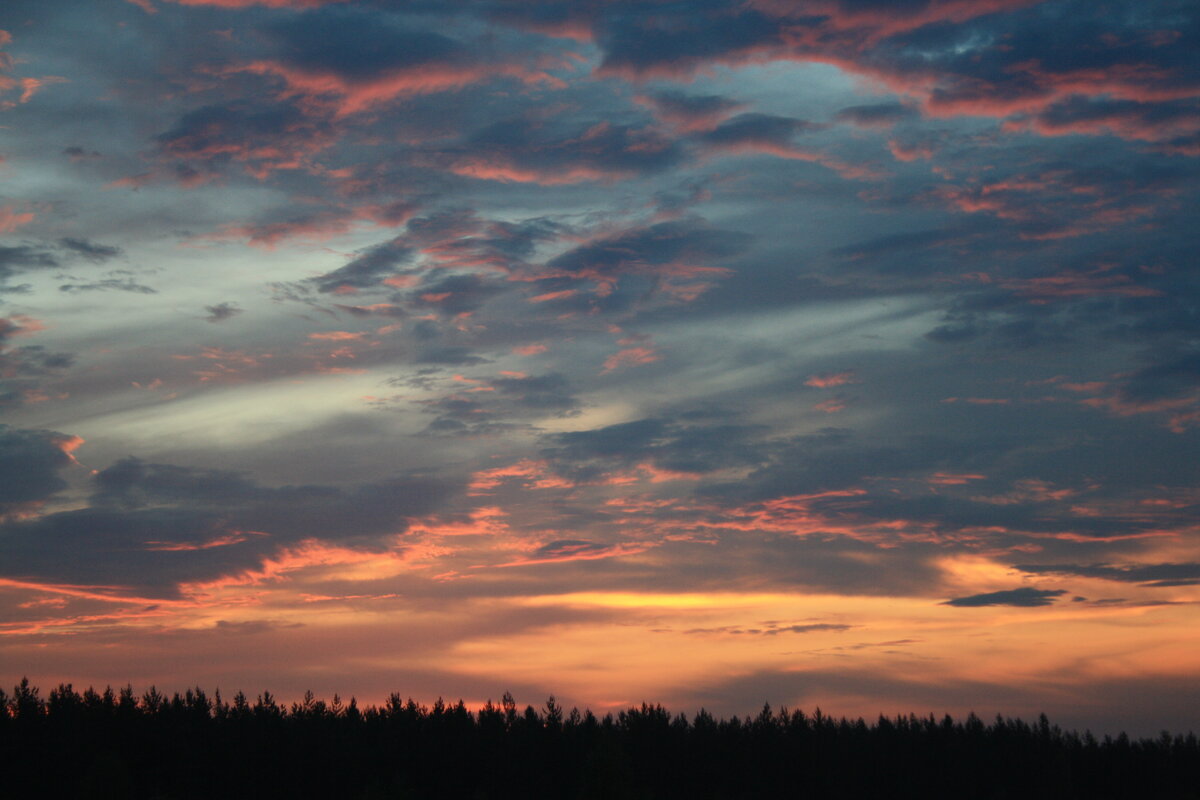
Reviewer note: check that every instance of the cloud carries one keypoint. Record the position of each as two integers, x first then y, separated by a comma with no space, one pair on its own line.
349,61
221,312
370,268
1167,574
564,550
676,245
876,115
669,445
690,113
149,525
527,151
30,462
91,251
11,220
77,153
22,367
15,259
260,137
1023,597
108,284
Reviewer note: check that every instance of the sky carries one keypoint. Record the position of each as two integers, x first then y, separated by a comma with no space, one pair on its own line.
837,353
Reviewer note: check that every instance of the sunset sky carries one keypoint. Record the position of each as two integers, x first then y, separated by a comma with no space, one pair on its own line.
830,352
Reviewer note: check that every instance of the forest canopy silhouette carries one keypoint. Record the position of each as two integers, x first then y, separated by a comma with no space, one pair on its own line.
193,745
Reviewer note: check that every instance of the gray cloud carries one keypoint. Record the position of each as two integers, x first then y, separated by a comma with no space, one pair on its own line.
30,462
152,526
221,312
90,251
1171,574
1025,597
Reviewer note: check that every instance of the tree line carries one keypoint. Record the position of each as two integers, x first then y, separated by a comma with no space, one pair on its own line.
192,745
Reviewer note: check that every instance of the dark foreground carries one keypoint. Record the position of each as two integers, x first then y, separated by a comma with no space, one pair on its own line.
121,745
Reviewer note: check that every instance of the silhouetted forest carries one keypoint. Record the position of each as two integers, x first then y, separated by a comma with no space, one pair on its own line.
193,745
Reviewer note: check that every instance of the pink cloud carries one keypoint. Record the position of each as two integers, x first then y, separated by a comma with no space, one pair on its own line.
561,295
631,356
1078,284
347,96
828,379
10,219
910,151
954,479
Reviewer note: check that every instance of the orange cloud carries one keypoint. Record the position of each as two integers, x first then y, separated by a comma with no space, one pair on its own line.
581,551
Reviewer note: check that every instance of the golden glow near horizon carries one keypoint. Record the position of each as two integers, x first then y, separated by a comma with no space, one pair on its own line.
610,648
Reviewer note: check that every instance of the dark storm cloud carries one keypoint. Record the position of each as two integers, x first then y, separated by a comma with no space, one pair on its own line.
30,462
1024,597
154,525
